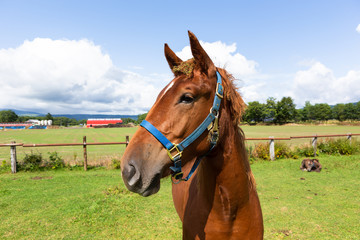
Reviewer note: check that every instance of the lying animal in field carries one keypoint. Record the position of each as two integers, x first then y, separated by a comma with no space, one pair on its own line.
310,165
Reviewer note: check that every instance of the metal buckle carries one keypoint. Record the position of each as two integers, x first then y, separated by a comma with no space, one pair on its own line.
215,112
177,178
177,155
217,91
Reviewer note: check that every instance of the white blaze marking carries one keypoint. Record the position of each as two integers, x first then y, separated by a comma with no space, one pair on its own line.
168,87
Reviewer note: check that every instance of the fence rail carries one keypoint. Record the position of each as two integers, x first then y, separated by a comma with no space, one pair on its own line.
13,146
271,140
334,135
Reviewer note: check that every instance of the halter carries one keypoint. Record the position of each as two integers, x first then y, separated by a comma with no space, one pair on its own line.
211,123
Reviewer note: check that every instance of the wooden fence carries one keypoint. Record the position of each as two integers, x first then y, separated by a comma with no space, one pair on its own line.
314,141
271,140
13,146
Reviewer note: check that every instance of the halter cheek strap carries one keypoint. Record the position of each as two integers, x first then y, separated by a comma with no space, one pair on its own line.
175,150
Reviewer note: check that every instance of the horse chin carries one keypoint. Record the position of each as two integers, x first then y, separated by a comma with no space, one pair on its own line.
153,187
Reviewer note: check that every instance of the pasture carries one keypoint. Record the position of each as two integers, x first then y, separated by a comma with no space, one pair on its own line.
102,155
73,204
66,204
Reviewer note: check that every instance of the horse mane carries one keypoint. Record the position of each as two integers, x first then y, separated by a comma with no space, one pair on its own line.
231,94
237,107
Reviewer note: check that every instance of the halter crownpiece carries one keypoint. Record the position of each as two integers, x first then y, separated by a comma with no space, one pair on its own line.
175,150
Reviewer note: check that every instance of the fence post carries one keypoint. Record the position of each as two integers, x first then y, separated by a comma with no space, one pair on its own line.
272,149
127,141
85,153
314,144
13,157
349,138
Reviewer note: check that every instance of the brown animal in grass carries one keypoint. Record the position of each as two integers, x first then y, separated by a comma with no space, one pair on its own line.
310,165
220,200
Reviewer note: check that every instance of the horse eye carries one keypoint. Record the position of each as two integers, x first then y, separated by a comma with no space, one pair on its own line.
186,98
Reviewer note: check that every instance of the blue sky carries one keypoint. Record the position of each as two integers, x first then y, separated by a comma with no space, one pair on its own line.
308,50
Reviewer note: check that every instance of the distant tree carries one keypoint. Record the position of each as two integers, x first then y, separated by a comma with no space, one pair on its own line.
338,112
270,108
255,112
49,117
128,120
285,110
83,121
300,115
8,116
141,117
307,113
61,121
350,111
321,111
357,109
73,122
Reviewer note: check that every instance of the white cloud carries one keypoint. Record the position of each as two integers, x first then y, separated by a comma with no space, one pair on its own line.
358,28
64,76
318,84
225,56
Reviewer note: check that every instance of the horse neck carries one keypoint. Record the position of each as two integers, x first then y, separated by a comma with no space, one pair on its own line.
225,173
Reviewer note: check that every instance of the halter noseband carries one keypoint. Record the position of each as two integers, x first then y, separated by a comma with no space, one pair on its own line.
175,150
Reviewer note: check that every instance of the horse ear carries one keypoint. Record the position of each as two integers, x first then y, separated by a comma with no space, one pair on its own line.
201,57
171,57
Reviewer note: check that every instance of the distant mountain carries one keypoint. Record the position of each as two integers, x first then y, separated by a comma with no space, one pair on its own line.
87,116
25,113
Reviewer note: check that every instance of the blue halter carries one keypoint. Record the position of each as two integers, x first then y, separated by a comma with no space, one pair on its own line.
175,150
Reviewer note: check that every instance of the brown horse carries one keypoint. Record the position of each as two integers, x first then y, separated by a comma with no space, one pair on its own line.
220,200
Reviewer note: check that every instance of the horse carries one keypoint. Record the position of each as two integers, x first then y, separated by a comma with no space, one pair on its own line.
218,198
310,165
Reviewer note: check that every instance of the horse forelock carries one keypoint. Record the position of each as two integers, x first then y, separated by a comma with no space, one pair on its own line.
186,67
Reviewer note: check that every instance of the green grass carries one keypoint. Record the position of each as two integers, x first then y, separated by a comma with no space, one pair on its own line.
303,205
75,204
82,205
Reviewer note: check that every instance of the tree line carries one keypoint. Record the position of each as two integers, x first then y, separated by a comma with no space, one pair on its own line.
284,111
11,116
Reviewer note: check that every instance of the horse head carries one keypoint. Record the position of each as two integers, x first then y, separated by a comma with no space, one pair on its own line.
178,110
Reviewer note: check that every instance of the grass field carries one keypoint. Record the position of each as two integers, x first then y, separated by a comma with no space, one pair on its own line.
75,204
97,155
102,155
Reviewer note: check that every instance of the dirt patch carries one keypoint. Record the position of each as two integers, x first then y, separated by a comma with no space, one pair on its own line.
40,178
285,232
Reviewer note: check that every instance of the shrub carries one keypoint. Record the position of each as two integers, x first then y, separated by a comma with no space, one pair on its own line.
115,163
31,162
35,162
282,150
55,161
305,150
339,146
4,166
261,150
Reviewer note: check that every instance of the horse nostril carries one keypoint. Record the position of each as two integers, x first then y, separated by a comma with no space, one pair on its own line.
131,175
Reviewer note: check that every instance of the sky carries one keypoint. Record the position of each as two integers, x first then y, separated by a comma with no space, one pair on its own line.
107,57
